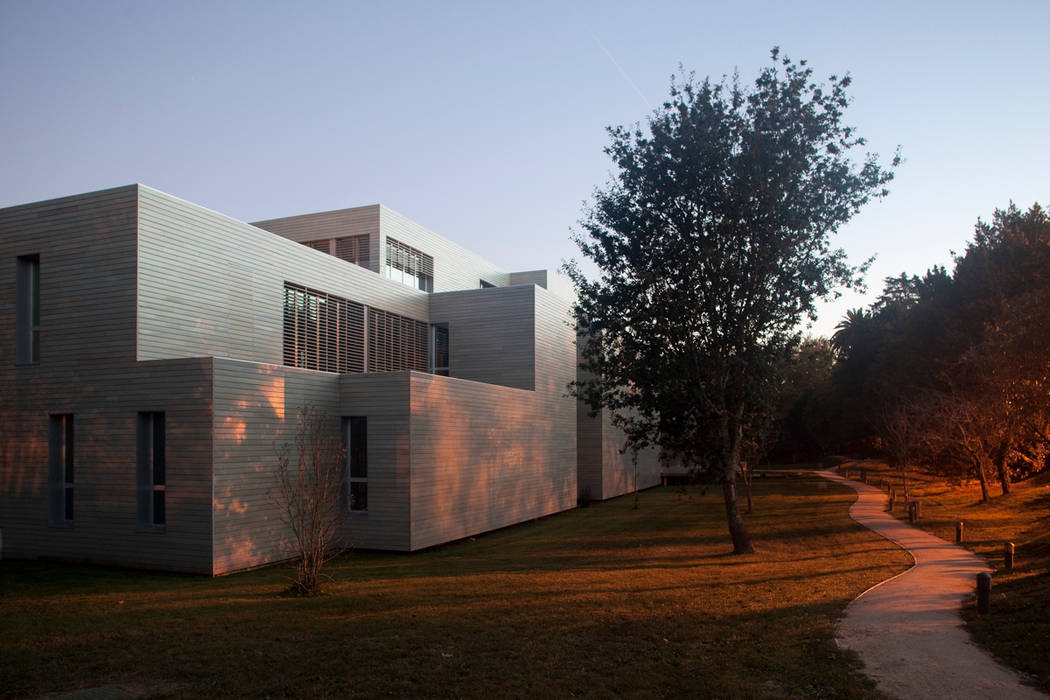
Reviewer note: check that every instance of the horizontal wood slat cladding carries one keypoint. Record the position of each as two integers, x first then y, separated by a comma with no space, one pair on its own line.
484,457
256,406
491,334
211,285
86,249
105,400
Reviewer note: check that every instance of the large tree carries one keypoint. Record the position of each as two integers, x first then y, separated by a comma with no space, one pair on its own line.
712,242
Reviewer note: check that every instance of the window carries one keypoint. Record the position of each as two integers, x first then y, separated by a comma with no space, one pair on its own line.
486,285
27,309
151,472
355,442
396,342
60,458
409,266
439,349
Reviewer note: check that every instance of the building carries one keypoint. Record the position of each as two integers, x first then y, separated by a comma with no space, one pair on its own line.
153,354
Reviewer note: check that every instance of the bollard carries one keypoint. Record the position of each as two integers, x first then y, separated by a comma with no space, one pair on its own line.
913,514
959,532
1008,556
984,593
890,504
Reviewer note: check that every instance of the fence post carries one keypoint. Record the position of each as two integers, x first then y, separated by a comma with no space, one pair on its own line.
984,593
959,532
913,512
1008,556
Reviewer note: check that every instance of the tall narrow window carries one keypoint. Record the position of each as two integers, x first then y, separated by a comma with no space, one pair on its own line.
27,309
151,472
60,507
355,442
439,349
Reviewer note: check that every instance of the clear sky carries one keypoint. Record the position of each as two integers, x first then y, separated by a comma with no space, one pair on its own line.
484,121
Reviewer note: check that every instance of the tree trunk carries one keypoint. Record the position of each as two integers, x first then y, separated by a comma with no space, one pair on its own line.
982,477
741,540
732,440
1002,469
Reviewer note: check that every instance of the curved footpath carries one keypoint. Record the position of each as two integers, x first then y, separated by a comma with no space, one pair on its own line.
907,630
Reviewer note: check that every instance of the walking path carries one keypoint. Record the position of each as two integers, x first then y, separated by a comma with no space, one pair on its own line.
907,629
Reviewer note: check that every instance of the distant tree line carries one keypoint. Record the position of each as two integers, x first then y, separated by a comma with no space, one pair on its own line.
948,369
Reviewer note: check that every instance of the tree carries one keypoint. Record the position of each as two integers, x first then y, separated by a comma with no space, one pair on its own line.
310,493
713,243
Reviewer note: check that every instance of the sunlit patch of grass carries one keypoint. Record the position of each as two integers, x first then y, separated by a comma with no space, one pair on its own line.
1018,628
601,601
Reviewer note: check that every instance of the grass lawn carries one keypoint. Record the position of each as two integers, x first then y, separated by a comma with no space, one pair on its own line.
600,601
1018,628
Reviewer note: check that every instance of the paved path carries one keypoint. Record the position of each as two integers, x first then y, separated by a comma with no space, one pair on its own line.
907,629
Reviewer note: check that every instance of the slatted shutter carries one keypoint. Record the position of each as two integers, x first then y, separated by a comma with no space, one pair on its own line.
354,249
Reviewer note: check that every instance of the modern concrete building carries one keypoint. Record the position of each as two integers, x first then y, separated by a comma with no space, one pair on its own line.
153,353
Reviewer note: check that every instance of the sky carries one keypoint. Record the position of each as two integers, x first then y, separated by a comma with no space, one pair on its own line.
485,121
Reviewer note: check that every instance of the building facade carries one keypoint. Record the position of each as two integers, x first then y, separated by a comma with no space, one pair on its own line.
154,354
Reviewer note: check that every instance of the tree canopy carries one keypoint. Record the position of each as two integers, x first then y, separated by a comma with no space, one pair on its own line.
965,356
713,243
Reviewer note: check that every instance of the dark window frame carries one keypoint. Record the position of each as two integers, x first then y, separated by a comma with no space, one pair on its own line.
152,471
62,469
355,445
27,309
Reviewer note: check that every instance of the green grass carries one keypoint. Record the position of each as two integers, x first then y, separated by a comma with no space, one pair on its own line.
1018,628
599,601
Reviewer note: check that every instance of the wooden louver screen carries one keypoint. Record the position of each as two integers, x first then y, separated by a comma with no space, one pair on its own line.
322,331
353,249
327,333
396,342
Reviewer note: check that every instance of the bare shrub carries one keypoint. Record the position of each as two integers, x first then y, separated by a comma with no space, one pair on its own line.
310,493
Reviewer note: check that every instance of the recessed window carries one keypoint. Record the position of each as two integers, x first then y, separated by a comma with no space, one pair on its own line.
439,349
152,476
409,266
27,309
355,442
61,470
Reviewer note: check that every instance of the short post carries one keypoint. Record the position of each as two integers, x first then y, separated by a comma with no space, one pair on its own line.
890,503
913,512
984,593
959,532
918,510
1008,556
